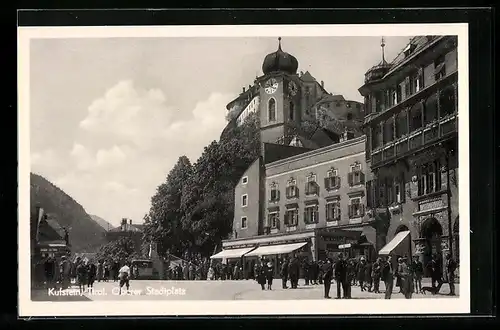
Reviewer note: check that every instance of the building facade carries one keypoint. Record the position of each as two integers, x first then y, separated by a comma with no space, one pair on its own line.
127,230
411,123
305,194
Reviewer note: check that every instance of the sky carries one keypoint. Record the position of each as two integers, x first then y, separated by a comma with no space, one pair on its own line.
109,117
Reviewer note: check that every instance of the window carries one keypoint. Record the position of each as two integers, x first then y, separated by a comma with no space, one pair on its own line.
440,68
271,109
337,104
244,200
408,90
311,185
398,193
292,111
356,209
356,176
307,98
416,116
388,130
370,186
333,211
348,105
291,217
416,82
447,101
430,109
291,189
244,222
379,101
274,193
332,180
311,214
272,220
390,191
429,180
399,94
244,180
376,136
401,124
349,116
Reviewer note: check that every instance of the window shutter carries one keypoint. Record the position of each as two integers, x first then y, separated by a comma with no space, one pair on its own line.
349,178
327,183
277,195
306,218
327,215
316,218
339,211
315,187
307,188
350,211
361,177
286,220
337,181
287,192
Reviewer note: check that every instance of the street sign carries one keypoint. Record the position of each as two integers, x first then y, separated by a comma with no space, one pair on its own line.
344,246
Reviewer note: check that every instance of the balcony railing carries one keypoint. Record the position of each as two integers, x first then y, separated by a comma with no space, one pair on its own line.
424,136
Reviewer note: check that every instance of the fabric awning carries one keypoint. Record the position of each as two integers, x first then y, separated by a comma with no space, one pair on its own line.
275,249
394,243
231,253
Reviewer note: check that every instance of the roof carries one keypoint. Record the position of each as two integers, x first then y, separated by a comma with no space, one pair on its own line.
56,226
307,77
330,98
130,227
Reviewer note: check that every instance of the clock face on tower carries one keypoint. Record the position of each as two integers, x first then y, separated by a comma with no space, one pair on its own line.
271,86
292,87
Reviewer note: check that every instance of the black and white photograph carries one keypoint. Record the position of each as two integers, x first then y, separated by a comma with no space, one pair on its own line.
244,170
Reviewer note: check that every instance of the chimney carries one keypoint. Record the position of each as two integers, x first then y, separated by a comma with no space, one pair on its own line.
130,221
243,89
322,84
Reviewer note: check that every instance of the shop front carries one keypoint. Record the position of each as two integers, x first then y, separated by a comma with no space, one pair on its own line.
351,242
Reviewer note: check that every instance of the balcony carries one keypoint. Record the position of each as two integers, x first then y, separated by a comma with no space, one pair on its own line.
423,137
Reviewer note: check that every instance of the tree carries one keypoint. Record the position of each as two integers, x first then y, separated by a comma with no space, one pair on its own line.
120,249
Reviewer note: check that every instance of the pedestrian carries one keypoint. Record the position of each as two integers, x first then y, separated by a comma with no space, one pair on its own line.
418,271
396,274
124,277
340,272
92,272
261,274
368,275
361,273
436,273
406,280
451,267
81,274
306,268
327,277
284,273
351,278
293,272
269,275
376,274
388,277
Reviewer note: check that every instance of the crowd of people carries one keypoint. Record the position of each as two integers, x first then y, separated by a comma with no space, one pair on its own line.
406,275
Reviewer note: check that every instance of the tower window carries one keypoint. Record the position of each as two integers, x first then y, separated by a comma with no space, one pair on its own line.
349,116
292,111
271,109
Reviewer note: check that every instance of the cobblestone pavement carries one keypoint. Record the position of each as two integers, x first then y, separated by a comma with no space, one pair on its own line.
218,290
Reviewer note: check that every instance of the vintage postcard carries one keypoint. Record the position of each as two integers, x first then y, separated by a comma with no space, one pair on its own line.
243,170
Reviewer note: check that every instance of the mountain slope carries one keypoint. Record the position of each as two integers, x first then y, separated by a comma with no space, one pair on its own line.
85,234
101,222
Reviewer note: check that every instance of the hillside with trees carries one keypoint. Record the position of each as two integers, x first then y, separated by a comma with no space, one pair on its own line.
85,234
193,209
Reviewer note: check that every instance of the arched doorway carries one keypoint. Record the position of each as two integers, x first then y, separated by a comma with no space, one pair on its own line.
431,232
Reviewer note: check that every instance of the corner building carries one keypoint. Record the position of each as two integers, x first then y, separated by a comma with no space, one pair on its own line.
305,194
411,125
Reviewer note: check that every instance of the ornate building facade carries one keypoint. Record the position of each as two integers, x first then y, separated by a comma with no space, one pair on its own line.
411,123
306,193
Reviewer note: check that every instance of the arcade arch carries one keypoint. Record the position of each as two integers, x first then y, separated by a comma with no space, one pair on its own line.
431,232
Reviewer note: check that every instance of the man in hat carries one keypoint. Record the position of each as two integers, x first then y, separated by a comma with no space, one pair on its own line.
284,273
327,276
340,271
388,277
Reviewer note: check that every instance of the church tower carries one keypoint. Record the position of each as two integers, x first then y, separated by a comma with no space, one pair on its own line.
280,97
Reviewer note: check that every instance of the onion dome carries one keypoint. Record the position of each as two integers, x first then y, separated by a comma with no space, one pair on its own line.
280,61
378,71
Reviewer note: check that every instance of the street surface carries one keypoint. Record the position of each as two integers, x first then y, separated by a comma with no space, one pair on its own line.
218,290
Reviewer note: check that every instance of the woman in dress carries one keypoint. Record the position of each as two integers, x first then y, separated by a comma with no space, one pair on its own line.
269,275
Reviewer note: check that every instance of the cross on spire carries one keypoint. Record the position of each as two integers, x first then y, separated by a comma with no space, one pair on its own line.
279,42
382,45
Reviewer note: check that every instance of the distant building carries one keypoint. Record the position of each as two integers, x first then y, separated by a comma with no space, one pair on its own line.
127,229
412,145
305,194
50,238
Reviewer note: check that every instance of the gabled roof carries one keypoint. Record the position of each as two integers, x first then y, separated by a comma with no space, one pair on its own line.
307,77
